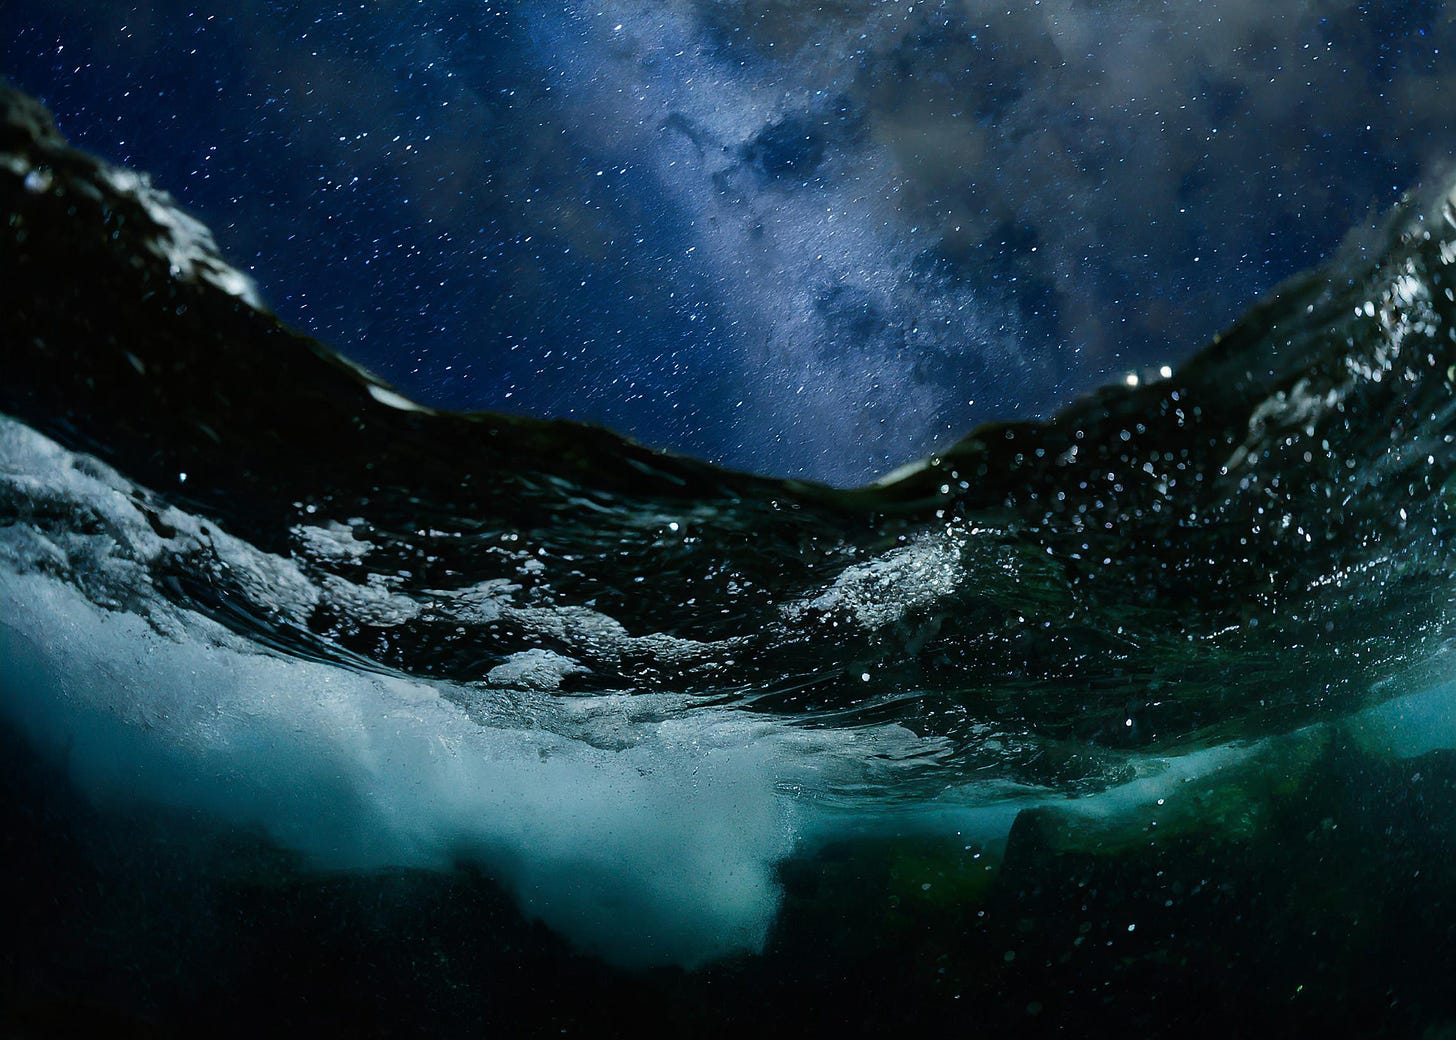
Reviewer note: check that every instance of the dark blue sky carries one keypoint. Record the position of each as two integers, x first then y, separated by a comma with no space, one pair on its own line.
808,241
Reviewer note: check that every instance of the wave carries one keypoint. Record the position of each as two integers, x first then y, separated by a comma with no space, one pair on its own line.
241,576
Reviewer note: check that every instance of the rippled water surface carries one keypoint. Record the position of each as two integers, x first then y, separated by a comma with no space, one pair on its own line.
1156,651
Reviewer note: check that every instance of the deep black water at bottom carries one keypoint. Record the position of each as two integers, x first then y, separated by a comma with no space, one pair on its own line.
1334,915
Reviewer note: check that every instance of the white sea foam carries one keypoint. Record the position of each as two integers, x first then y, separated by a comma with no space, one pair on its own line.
183,241
534,669
645,827
886,589
646,834
662,851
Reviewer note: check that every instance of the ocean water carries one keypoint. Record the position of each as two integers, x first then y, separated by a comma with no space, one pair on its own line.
325,709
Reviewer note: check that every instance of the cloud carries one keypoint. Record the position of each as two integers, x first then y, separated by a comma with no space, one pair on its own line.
795,238
1091,187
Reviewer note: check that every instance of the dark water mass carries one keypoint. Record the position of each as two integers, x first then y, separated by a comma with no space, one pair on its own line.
324,709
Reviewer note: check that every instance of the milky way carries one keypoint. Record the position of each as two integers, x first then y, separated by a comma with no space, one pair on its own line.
807,241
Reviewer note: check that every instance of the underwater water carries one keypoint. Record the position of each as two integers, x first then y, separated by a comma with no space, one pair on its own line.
326,709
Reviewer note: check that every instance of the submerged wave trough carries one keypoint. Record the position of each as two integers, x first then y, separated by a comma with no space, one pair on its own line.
242,578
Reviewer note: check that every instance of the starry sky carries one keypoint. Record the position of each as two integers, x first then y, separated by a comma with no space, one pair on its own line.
811,240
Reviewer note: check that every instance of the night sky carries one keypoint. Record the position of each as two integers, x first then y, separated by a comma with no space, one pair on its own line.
809,240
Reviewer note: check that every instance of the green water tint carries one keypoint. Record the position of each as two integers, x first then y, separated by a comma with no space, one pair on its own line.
1188,637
